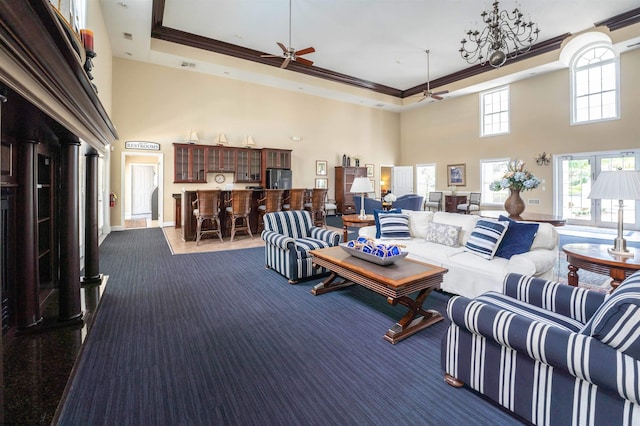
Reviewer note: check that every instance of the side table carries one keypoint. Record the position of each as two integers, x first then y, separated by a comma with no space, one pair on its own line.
596,258
354,221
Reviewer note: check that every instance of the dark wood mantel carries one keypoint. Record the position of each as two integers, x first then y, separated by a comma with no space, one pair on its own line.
40,63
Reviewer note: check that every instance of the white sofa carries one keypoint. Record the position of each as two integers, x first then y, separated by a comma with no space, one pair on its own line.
469,274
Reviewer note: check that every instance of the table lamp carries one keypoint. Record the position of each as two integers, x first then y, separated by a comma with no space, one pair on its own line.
362,185
617,185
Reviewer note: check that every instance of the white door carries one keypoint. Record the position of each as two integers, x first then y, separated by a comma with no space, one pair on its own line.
142,186
402,180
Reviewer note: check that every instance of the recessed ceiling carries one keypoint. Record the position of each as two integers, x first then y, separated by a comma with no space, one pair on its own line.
377,41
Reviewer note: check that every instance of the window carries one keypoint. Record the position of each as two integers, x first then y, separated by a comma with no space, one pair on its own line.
426,178
594,85
493,170
494,111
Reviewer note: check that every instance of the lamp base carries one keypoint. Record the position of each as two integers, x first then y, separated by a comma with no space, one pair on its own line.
620,248
362,215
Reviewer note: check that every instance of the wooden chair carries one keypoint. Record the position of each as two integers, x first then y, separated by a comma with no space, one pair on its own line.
316,207
295,199
271,202
472,205
239,210
207,208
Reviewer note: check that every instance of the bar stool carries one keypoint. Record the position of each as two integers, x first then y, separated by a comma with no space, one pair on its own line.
271,202
207,208
295,199
239,210
316,207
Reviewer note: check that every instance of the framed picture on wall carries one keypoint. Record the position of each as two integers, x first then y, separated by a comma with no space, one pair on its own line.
322,183
321,168
456,175
370,172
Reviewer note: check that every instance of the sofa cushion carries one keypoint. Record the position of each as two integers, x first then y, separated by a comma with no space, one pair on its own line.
617,321
394,226
486,237
377,212
448,235
418,222
303,245
517,239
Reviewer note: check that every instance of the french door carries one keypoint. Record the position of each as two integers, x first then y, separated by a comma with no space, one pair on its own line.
576,175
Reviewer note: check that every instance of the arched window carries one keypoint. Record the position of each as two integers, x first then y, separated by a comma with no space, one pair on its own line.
594,72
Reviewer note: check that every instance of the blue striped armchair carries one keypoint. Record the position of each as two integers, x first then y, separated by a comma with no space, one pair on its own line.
289,236
550,353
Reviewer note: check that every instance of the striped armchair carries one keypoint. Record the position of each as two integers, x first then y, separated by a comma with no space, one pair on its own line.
289,236
551,353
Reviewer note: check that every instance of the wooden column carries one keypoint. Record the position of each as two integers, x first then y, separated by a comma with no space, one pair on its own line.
27,271
70,308
91,257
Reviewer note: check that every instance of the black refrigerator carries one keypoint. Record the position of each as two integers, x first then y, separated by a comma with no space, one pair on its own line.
278,179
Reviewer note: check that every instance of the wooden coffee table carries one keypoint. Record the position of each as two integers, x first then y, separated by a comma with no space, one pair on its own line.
354,221
396,282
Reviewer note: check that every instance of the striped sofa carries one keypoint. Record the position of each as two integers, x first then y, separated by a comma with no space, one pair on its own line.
289,236
550,353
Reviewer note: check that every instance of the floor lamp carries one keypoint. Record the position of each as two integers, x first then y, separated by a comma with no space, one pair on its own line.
617,185
362,185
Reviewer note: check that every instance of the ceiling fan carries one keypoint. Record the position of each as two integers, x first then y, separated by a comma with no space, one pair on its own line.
290,54
428,93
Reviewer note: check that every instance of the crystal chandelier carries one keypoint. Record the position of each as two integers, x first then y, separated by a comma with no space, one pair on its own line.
505,36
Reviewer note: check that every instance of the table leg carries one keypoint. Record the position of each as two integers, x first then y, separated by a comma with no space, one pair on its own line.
329,285
617,275
572,276
414,320
345,233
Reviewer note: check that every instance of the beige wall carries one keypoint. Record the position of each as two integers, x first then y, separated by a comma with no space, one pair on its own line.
447,132
160,104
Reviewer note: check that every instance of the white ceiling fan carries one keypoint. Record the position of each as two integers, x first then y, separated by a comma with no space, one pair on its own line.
428,93
290,54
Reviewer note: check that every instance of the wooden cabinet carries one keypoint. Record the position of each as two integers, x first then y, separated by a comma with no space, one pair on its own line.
248,166
221,159
189,163
344,179
451,202
276,158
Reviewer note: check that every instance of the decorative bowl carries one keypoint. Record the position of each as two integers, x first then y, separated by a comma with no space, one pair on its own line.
378,260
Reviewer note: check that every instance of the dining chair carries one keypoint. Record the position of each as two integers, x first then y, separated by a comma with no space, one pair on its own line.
269,203
434,201
294,200
472,204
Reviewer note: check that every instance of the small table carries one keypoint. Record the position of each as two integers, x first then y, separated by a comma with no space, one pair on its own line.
526,217
354,221
396,281
596,258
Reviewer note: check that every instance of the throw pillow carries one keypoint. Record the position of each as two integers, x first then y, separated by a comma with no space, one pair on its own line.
418,221
377,212
394,226
518,238
486,237
443,234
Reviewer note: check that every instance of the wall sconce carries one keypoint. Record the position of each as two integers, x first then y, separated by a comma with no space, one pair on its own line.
543,159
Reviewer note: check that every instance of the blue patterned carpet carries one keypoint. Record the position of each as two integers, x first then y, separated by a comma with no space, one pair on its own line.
215,339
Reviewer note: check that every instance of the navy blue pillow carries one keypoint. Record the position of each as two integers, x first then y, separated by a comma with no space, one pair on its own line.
375,216
517,239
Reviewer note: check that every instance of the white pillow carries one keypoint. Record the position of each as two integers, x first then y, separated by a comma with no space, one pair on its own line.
485,238
418,221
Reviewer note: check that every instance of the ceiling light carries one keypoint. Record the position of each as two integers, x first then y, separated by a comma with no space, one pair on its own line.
128,53
127,36
505,36
122,4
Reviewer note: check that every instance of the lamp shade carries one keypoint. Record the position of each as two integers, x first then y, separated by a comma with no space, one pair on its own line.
250,141
616,185
361,184
222,139
193,136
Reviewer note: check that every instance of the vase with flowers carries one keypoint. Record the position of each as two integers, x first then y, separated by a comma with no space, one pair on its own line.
515,179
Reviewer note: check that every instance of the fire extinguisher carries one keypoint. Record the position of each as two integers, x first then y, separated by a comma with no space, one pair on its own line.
112,199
